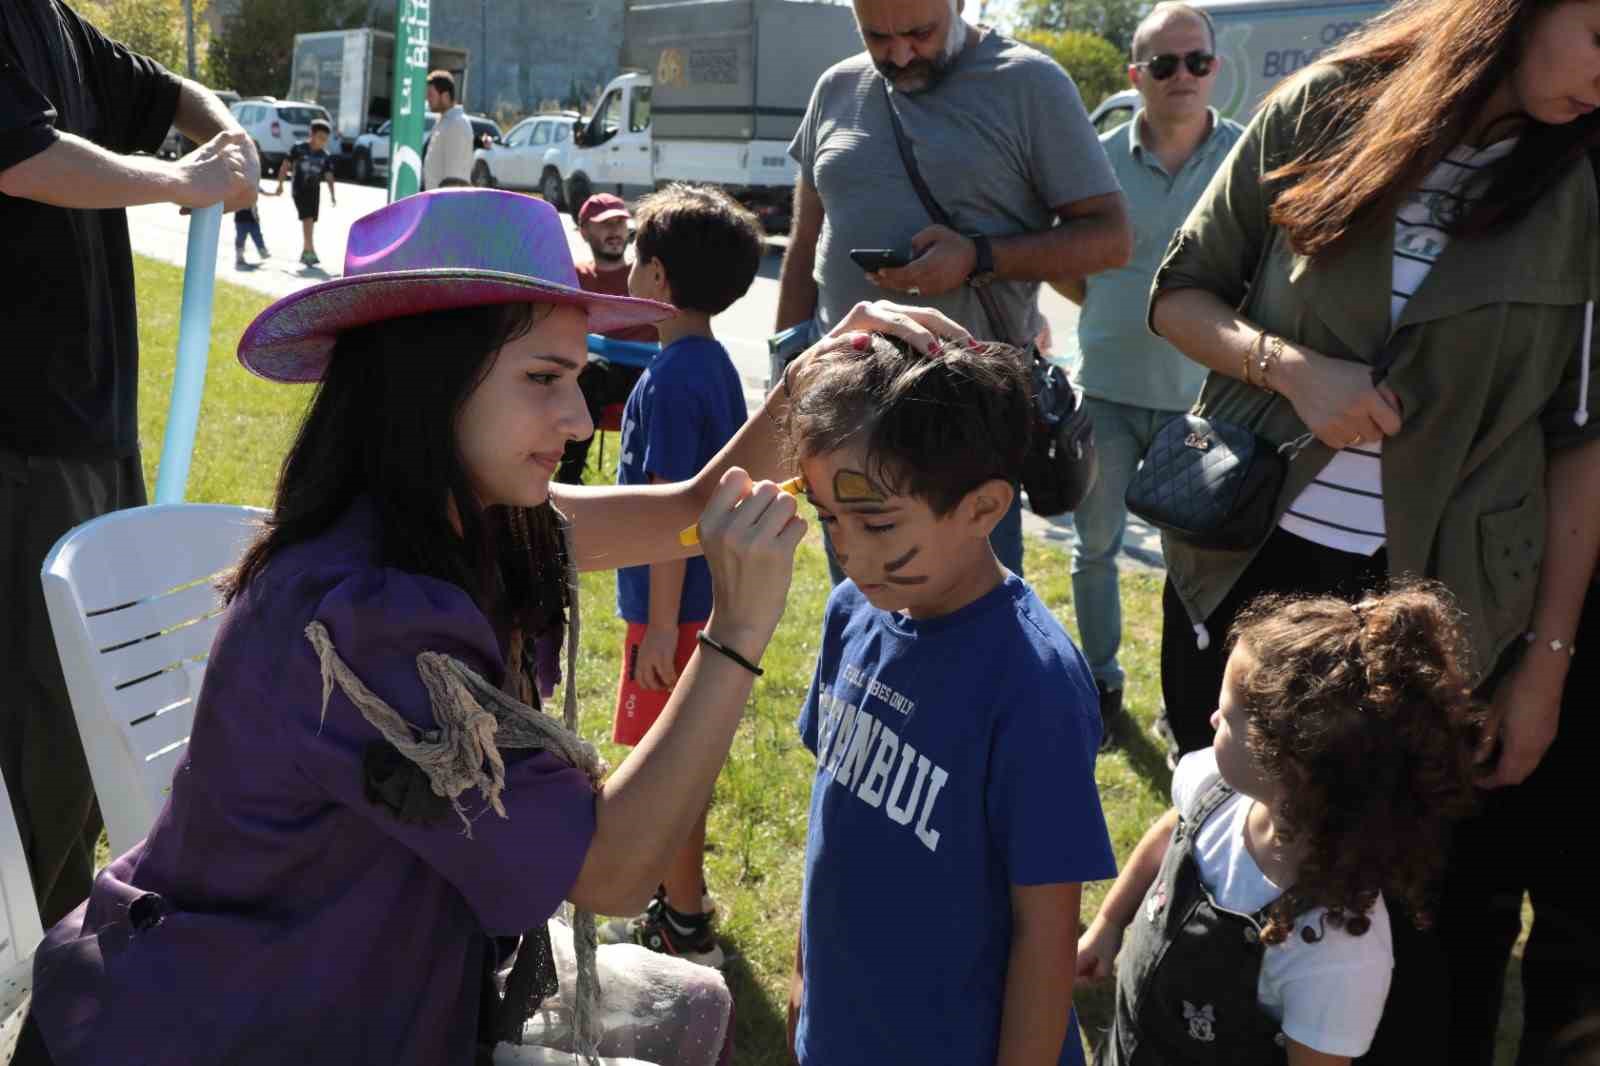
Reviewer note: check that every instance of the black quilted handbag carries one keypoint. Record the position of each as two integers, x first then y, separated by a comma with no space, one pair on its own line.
1210,484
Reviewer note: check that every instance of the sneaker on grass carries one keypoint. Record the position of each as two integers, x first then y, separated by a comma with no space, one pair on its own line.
660,928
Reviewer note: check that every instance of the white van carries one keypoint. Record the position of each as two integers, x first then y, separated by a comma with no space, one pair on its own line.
1261,43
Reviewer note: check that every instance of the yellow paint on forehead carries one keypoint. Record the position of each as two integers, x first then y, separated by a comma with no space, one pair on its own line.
852,486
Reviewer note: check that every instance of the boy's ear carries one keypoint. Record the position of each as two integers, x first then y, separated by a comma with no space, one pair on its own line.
984,507
658,279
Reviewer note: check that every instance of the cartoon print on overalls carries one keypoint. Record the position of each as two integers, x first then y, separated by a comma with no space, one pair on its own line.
1155,903
1200,1021
1188,975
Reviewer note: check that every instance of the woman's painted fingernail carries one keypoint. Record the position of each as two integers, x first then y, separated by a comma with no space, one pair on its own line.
861,342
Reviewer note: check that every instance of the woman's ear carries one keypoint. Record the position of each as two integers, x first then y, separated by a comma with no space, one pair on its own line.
984,507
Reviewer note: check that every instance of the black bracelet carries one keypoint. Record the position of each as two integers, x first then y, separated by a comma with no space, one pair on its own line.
717,645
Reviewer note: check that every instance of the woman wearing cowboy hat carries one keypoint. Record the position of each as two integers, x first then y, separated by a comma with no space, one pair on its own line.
368,809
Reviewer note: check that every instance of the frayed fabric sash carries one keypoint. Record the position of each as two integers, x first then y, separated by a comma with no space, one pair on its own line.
474,721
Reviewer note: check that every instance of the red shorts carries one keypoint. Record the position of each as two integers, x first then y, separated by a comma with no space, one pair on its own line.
638,708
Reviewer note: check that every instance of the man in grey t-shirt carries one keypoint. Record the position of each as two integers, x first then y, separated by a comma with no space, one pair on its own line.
1002,140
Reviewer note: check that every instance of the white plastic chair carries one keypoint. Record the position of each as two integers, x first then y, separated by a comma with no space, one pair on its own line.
20,929
133,606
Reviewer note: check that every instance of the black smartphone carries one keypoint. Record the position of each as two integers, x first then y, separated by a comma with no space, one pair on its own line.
874,259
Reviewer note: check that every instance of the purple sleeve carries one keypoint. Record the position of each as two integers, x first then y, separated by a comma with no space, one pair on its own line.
513,871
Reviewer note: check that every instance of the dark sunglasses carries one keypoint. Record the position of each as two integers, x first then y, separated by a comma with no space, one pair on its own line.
1164,66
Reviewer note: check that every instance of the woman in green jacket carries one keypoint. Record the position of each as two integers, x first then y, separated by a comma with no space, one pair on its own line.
1421,201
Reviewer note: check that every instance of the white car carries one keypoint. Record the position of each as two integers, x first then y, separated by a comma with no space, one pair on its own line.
1115,110
278,125
532,156
372,149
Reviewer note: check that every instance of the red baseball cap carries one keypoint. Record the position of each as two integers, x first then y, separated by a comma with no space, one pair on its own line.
602,207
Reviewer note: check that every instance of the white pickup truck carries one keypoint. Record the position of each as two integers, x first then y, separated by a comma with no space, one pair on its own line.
718,90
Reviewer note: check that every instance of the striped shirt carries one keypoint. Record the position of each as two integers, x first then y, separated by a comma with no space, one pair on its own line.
1343,507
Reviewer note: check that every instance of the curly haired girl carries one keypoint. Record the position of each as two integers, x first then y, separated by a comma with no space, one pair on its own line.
1254,909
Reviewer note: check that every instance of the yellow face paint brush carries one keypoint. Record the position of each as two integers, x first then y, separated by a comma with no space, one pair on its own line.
691,536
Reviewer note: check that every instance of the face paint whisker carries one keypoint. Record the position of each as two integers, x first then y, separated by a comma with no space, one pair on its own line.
900,563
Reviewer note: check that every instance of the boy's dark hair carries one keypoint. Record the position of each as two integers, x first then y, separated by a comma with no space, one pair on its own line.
932,427
709,245
320,125
1363,716
443,81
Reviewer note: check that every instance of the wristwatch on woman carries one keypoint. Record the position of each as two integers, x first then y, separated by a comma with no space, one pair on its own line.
983,271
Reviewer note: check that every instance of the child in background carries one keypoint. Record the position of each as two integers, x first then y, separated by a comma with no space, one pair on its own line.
954,814
1254,909
698,249
311,165
247,225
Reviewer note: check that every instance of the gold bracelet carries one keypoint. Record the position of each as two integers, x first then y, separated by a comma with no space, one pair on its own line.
1269,362
1250,353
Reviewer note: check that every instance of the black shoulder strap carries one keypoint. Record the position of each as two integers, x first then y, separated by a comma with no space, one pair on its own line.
936,212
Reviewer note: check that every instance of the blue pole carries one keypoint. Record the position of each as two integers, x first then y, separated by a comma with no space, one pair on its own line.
194,347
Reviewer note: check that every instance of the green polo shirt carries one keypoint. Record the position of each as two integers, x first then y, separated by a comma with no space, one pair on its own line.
1122,360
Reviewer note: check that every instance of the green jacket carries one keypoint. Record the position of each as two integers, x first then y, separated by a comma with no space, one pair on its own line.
1488,368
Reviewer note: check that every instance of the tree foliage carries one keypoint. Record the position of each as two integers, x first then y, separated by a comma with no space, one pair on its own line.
1094,63
1113,20
253,53
152,27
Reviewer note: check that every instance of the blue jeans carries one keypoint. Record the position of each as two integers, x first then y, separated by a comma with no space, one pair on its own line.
1006,540
247,228
1122,434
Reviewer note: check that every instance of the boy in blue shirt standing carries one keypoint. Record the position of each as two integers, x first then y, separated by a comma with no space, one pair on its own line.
954,814
698,249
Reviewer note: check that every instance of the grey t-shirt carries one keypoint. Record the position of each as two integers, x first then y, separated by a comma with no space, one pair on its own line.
1002,142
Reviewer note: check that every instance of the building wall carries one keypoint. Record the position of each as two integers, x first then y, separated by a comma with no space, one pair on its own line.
525,53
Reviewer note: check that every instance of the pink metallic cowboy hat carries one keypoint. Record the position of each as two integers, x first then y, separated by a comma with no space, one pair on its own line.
432,252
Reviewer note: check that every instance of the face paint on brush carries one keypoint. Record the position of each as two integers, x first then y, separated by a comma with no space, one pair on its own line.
894,565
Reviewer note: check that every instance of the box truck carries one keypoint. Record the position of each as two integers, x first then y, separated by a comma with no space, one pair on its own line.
717,89
351,74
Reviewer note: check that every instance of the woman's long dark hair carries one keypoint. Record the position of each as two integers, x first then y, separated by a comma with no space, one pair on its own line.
382,425
1419,76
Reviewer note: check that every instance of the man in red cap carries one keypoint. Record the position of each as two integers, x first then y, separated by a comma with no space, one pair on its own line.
603,224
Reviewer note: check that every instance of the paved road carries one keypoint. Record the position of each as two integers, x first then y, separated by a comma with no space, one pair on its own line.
160,232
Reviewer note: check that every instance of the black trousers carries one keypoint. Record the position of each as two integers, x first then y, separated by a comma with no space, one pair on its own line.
1445,1001
42,497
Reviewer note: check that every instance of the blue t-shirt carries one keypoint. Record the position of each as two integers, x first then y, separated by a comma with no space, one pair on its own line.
685,407
955,757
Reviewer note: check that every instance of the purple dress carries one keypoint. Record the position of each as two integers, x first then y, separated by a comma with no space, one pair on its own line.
274,914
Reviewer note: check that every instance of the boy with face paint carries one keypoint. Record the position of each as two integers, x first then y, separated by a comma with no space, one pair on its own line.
954,814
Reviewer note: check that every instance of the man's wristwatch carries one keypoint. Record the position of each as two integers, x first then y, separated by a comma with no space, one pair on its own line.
982,271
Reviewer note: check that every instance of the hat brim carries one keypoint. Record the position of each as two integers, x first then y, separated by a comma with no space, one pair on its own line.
292,340
609,214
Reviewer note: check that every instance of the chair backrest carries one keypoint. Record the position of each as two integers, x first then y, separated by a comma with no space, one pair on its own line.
20,927
133,606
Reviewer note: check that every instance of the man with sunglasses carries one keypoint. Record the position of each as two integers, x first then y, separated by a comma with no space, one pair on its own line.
1135,381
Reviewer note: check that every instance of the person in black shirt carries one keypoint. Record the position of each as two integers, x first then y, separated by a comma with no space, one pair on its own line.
72,104
311,166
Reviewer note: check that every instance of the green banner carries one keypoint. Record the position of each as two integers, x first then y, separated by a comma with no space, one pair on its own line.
410,97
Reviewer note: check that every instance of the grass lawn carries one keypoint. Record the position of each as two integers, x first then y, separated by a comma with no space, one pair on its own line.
758,819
